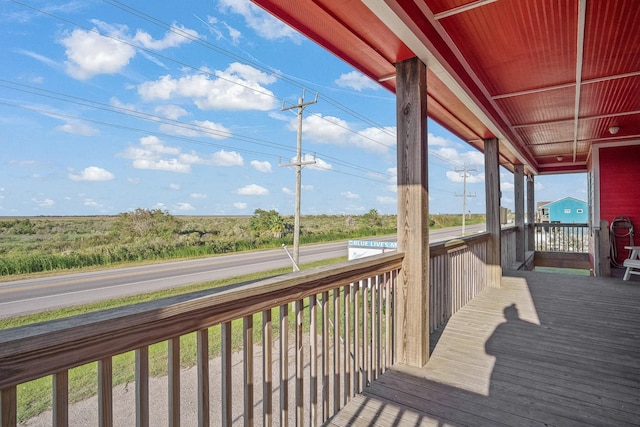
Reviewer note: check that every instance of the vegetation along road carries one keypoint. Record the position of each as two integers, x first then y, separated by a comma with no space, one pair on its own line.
33,295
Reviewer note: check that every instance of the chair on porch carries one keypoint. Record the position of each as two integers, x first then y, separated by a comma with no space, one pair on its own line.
632,263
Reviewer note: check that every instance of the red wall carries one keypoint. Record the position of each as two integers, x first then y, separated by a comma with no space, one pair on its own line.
620,189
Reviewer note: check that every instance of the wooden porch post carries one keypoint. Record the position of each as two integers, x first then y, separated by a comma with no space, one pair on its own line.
531,214
412,310
518,177
492,193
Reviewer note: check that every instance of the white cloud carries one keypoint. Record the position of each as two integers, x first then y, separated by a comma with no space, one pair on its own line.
234,34
90,203
264,167
506,186
198,196
239,87
174,186
45,203
213,130
434,140
375,139
78,129
327,129
90,53
356,80
92,173
173,112
333,130
45,60
176,36
184,207
252,190
287,191
468,158
227,158
350,195
386,200
154,154
472,178
240,205
306,187
261,22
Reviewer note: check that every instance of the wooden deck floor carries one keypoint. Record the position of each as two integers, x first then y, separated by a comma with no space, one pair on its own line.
544,350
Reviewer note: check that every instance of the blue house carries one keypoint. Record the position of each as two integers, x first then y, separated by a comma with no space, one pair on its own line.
567,210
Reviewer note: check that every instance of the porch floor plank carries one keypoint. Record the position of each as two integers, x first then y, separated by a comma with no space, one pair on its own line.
544,350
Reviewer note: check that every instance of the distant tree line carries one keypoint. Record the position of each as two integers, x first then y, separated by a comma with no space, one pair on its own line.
44,244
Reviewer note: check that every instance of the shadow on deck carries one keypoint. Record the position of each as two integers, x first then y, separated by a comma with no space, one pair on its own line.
545,349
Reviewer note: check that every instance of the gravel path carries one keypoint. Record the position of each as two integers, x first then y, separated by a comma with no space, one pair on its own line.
85,413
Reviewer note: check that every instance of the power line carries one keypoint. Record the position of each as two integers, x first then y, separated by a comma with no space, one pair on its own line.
209,45
176,30
157,119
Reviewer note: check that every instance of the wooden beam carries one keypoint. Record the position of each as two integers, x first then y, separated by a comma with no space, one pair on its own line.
531,212
8,407
518,183
412,345
492,194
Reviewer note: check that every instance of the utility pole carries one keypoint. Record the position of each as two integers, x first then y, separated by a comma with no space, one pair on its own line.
298,164
464,194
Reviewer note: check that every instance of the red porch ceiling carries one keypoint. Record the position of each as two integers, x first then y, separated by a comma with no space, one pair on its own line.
548,77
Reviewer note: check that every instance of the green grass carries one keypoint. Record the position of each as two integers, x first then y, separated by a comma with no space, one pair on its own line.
35,396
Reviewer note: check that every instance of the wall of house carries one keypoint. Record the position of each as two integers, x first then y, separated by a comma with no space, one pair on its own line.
568,211
619,172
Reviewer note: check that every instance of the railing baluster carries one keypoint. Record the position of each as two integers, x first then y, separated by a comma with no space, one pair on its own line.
299,308
8,407
284,365
375,329
61,398
336,350
325,356
142,387
202,361
267,369
347,343
174,381
313,357
105,393
379,320
226,383
247,329
366,344
357,378
388,327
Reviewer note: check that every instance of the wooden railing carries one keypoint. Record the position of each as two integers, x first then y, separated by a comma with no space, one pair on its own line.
560,237
508,253
458,272
340,334
304,344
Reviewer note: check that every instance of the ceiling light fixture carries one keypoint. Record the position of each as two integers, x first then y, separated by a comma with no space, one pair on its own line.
614,129
559,158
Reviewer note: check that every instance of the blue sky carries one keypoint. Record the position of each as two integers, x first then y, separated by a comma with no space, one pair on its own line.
106,107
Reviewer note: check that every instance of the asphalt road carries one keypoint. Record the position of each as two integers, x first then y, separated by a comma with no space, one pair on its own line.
44,293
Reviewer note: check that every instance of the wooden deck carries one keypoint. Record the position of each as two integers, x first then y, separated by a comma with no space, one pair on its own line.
543,350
